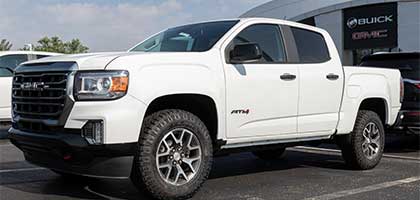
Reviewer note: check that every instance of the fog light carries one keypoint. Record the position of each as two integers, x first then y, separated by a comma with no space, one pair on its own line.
93,132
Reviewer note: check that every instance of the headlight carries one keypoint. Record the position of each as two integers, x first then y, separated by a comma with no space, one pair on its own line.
100,85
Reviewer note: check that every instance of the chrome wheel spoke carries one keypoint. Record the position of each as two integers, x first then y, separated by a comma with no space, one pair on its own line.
371,143
178,157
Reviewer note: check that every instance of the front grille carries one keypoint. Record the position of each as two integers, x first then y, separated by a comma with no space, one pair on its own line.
38,97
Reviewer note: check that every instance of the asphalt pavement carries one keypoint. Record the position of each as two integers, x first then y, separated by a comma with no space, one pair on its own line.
317,173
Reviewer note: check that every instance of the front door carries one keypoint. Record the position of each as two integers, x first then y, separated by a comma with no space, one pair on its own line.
5,93
262,96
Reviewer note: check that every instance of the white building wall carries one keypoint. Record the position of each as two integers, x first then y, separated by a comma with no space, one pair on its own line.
409,26
288,9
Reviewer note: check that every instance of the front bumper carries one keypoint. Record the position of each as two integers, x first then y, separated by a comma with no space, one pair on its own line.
408,121
71,153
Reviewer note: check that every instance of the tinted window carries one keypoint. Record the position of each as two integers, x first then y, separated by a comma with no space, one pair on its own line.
12,61
5,73
311,46
409,68
41,56
189,38
268,37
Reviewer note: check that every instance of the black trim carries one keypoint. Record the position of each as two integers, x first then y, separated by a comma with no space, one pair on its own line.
290,44
47,67
50,151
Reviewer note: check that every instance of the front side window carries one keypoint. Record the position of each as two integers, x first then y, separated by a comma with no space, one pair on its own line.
268,37
189,38
5,73
12,61
311,46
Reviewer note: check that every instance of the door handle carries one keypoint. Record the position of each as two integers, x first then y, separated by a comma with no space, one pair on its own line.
332,77
288,77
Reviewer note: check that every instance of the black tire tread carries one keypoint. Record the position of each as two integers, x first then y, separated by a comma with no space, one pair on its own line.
143,177
351,152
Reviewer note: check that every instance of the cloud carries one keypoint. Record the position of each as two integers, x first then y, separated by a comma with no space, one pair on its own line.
107,25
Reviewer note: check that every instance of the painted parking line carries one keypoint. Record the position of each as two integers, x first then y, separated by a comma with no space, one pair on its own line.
22,170
100,195
369,188
335,151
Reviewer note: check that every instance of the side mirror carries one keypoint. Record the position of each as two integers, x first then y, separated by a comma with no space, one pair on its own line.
245,53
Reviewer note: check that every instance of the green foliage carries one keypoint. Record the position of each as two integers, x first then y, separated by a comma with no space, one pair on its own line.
55,44
5,45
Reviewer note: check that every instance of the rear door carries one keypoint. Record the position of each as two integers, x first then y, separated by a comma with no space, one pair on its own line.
320,84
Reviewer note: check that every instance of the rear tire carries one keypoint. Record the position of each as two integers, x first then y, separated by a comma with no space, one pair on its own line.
271,154
174,155
363,148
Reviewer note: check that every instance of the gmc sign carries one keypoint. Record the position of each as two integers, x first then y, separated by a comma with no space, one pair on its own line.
373,26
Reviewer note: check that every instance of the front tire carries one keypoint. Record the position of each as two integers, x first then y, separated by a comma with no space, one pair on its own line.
363,148
174,155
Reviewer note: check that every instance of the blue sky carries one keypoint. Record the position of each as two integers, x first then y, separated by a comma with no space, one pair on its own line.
107,25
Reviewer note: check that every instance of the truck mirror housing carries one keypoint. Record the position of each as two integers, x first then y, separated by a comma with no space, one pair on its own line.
245,53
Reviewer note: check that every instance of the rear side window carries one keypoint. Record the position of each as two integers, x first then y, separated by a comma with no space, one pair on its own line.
268,37
311,46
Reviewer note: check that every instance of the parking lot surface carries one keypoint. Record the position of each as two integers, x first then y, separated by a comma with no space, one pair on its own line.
304,173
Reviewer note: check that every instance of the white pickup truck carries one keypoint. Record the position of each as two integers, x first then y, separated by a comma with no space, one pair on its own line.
160,112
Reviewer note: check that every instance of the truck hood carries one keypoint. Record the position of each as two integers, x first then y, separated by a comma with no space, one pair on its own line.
87,61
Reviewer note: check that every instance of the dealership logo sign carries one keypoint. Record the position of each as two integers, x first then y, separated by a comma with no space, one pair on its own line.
353,22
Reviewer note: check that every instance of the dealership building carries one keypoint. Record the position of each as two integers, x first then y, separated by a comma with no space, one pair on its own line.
358,27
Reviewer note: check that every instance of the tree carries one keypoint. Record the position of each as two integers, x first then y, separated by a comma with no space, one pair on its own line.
5,45
75,46
55,44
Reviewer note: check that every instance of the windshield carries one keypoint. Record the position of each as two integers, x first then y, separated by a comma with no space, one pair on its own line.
409,68
189,38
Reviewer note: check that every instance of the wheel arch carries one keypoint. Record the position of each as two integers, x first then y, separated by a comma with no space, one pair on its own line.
378,105
203,106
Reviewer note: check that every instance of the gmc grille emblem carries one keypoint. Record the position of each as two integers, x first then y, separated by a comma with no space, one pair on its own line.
33,86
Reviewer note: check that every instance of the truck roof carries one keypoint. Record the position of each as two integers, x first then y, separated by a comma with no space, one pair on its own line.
3,53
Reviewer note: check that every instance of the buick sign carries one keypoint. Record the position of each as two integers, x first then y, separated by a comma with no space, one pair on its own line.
353,22
368,27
